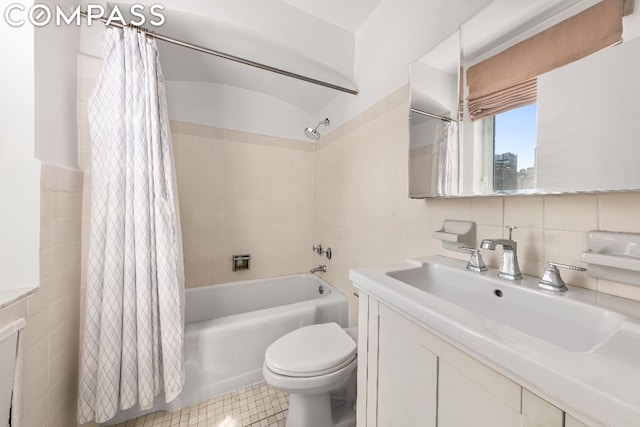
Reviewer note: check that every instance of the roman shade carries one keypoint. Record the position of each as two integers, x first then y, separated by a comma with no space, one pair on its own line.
508,79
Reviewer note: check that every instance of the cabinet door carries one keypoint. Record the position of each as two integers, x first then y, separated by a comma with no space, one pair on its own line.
463,401
407,376
537,412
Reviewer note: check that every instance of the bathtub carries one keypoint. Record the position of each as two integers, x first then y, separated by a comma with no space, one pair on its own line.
229,327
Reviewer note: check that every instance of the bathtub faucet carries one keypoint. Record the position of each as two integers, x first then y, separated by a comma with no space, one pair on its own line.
322,268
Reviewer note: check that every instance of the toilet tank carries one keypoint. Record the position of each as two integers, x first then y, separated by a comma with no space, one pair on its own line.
8,362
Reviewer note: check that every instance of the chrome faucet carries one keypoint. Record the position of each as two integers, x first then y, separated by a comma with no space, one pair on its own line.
322,268
509,269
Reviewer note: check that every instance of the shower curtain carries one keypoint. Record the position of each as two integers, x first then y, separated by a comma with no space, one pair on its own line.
448,158
132,347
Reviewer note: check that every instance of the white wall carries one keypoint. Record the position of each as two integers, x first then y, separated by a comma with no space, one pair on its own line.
236,108
56,50
397,33
433,90
19,171
305,33
219,93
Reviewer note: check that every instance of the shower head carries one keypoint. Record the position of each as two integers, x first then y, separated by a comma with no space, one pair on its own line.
312,133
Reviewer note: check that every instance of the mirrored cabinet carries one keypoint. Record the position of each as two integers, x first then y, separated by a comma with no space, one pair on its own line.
529,98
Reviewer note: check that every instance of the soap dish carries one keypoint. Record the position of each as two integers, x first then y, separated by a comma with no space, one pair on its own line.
455,234
613,256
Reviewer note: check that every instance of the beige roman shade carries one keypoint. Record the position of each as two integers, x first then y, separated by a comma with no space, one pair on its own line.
508,80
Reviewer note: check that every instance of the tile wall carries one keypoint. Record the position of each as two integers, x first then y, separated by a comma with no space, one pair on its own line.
242,193
239,193
361,209
52,313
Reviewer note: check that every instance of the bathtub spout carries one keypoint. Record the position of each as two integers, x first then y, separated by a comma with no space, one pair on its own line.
322,268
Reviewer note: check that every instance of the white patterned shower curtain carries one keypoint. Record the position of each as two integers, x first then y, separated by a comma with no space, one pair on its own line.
132,346
448,158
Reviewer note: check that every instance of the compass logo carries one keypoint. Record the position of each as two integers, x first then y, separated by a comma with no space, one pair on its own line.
40,15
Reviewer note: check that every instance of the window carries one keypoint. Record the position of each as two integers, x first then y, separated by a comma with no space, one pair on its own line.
514,149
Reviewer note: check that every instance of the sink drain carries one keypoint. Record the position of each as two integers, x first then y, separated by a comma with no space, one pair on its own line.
497,293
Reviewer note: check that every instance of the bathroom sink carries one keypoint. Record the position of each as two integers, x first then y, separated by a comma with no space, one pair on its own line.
579,349
557,319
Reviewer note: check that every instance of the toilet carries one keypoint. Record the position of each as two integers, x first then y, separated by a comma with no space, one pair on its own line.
316,365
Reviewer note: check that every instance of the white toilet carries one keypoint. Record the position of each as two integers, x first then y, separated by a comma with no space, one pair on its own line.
316,365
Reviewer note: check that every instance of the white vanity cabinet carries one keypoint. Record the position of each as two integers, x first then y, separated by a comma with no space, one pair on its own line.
405,395
409,377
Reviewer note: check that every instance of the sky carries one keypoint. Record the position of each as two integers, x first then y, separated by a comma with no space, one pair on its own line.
515,132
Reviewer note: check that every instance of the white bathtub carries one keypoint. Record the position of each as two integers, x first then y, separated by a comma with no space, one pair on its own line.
229,327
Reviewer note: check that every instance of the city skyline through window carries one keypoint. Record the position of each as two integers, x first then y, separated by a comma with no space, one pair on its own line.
514,138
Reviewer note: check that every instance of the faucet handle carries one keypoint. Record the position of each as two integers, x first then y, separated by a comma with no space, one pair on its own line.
551,279
476,263
510,228
318,249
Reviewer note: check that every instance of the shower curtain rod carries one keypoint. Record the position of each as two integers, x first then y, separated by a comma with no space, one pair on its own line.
435,116
231,57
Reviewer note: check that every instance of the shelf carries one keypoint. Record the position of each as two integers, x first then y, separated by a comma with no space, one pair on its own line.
455,234
613,256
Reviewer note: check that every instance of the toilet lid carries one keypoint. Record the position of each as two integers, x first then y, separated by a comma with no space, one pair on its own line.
311,351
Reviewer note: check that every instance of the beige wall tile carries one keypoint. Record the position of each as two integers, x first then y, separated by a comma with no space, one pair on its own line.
242,193
523,212
530,244
68,205
37,416
37,330
531,268
45,235
57,314
39,300
619,289
59,339
441,209
58,367
572,213
45,264
35,390
619,212
487,210
36,360
65,230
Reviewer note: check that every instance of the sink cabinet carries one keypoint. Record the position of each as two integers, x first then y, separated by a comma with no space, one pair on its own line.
408,376
405,395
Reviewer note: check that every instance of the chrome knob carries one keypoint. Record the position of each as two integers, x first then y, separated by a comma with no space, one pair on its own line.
551,279
476,263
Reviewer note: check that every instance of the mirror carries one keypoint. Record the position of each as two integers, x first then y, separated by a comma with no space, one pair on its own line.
433,121
577,136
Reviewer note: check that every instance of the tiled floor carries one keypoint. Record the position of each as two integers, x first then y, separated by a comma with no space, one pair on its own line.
257,405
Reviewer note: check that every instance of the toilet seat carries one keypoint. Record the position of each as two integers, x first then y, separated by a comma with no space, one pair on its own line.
311,351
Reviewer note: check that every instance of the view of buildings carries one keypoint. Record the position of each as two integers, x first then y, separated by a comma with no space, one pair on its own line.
507,177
